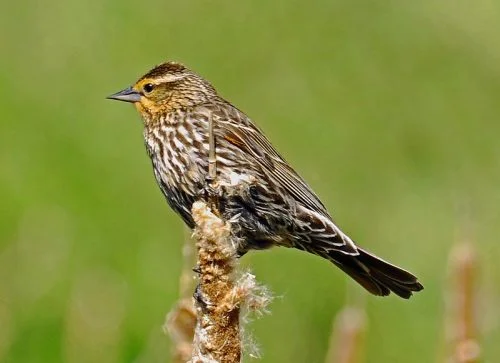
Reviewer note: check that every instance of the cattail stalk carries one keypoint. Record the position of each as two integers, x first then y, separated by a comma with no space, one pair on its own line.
217,333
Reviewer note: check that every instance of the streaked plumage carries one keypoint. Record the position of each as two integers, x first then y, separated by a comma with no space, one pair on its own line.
267,201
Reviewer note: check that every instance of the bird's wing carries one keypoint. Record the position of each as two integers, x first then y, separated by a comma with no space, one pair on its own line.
243,133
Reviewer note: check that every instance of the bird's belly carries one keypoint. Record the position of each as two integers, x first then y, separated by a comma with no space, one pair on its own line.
259,218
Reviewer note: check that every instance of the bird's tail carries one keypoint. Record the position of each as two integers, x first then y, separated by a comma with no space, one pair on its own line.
376,275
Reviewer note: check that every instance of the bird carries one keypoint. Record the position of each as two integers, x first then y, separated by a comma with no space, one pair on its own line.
264,198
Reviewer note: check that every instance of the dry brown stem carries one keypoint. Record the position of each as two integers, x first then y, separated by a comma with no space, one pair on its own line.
462,331
180,324
217,334
181,320
347,340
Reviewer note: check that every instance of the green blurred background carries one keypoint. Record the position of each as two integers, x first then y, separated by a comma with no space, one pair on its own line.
388,109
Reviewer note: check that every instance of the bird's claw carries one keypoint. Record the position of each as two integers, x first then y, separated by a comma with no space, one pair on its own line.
200,299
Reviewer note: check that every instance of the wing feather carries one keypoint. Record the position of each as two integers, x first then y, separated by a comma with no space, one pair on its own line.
239,130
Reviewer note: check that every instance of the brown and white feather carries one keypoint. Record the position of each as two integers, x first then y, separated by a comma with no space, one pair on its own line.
267,202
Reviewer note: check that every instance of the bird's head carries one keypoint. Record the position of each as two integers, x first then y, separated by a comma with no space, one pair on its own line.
167,87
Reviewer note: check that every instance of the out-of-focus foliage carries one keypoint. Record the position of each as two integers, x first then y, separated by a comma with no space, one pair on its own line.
390,110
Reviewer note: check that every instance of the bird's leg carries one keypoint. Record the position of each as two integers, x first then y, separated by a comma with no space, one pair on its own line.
211,193
210,179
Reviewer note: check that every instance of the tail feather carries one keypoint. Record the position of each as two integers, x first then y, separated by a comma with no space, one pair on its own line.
376,275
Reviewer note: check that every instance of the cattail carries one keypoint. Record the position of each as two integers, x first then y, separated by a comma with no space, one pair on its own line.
222,292
462,327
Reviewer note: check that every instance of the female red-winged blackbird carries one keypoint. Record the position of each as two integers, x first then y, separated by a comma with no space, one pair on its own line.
275,207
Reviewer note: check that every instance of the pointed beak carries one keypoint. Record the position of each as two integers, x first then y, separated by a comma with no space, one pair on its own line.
127,95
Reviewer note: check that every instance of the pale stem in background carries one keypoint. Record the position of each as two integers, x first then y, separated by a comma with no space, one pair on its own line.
461,303
181,320
348,336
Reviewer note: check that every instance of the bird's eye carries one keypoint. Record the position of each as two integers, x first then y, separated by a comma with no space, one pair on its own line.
148,87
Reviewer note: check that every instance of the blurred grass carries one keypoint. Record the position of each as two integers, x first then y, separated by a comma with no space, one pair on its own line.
390,110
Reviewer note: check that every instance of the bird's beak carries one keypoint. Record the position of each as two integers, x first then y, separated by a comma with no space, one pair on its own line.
127,95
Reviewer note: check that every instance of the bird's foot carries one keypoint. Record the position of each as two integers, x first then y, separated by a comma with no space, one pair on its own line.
200,298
